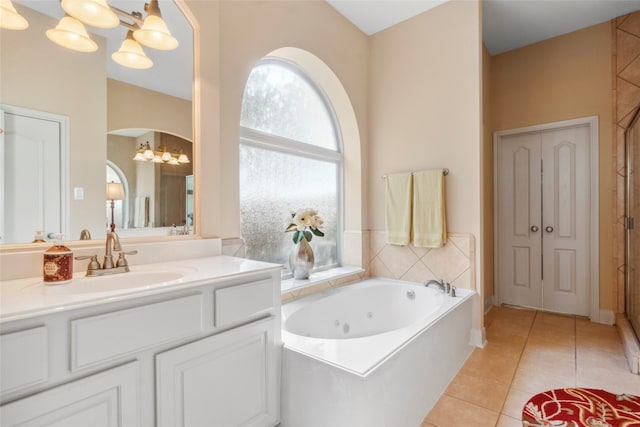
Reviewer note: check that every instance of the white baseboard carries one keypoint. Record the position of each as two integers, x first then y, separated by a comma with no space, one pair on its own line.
478,338
608,317
488,303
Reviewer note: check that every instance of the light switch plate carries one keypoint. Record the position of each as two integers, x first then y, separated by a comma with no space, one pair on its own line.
78,193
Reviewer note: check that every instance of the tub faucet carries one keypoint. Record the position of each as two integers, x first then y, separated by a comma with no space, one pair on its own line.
444,286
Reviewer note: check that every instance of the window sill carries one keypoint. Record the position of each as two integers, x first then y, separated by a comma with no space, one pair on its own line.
289,285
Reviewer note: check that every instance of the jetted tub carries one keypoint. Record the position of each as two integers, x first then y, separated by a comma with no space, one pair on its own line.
375,353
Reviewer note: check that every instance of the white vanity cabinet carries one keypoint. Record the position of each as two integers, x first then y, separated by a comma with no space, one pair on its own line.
205,353
223,380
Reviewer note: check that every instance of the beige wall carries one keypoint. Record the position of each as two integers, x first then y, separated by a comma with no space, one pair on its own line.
37,74
250,30
426,109
133,107
486,252
558,79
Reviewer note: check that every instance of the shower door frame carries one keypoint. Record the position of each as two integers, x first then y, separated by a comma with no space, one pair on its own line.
629,219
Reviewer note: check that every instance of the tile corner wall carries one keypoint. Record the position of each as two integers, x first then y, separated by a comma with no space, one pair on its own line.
454,262
626,99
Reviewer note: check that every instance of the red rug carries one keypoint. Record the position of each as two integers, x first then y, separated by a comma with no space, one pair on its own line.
581,407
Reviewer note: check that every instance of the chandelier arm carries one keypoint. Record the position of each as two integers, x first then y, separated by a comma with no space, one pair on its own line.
136,17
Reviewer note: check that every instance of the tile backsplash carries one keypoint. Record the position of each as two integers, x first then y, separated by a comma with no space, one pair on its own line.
454,262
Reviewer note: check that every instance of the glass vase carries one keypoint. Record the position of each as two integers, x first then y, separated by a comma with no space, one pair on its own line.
301,260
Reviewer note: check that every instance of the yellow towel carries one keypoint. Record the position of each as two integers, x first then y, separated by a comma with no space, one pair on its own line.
398,208
429,220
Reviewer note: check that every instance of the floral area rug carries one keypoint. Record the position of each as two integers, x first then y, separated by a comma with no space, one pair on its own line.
581,407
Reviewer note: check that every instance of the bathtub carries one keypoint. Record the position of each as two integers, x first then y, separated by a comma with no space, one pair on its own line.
378,352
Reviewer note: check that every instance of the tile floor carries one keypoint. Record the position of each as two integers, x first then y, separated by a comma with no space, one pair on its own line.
529,352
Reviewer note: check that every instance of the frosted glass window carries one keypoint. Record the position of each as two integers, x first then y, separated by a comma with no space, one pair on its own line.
274,184
289,160
278,100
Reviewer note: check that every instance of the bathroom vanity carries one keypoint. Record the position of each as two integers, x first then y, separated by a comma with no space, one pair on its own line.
186,343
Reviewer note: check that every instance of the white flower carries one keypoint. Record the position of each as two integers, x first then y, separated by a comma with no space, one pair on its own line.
305,217
305,223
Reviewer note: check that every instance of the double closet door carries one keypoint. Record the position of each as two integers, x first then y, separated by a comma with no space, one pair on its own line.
543,223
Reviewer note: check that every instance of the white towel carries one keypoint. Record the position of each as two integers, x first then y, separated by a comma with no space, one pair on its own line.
141,218
429,219
398,208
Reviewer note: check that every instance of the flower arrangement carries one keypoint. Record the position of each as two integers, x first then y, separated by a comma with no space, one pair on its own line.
305,223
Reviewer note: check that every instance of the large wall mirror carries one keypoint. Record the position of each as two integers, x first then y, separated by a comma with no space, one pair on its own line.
99,115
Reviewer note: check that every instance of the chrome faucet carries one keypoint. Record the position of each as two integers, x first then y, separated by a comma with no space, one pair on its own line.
108,267
445,287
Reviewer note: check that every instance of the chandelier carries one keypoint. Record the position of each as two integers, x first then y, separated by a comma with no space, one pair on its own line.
146,154
71,33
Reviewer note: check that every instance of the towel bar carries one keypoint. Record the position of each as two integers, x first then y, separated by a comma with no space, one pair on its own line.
445,172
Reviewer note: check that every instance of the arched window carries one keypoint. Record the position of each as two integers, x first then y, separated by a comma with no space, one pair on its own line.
290,159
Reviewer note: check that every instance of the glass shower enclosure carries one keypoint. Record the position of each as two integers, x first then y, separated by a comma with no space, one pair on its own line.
632,228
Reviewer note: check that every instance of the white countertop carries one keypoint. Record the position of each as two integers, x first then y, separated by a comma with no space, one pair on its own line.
30,297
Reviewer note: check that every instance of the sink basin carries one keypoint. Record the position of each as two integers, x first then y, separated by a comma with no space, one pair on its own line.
88,285
134,279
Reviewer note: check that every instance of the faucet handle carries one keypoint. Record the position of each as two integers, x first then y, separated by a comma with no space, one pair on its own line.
93,264
122,261
452,291
447,287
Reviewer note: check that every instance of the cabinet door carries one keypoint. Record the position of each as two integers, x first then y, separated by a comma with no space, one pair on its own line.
229,379
106,399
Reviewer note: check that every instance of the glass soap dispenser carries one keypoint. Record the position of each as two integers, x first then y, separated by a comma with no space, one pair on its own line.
58,263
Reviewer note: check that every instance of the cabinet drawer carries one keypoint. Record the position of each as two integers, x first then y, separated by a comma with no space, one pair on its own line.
23,357
108,336
242,302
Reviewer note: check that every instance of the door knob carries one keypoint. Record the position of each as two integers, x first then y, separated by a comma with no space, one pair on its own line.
534,228
548,229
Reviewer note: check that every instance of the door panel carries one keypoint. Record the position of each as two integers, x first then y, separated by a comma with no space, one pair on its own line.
31,177
543,219
565,214
518,219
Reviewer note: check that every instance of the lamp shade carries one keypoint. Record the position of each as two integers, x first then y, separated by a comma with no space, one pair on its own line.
10,19
154,32
148,153
70,33
115,191
92,12
131,54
